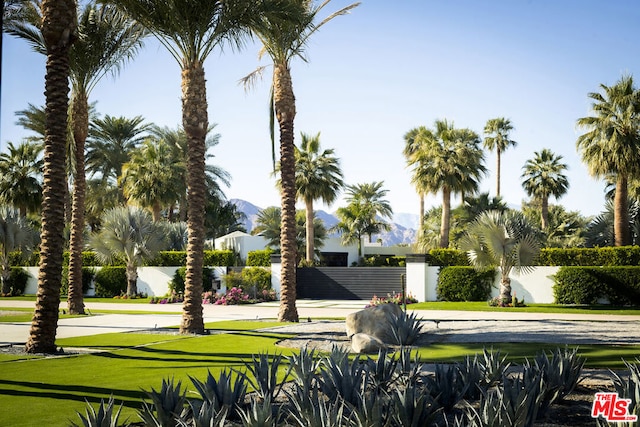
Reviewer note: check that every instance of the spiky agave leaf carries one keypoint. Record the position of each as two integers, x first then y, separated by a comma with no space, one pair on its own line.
104,417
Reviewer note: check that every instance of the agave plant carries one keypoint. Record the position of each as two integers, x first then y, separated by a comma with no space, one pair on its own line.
414,407
493,367
167,406
265,373
259,414
204,414
447,386
313,410
342,378
371,410
382,372
305,366
227,391
104,417
629,388
471,375
410,368
406,328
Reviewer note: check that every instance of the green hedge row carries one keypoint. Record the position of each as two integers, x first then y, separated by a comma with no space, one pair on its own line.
587,285
179,277
460,283
111,281
88,273
17,282
608,256
260,258
164,259
385,261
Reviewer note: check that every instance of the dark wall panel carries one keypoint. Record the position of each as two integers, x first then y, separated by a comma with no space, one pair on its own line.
348,282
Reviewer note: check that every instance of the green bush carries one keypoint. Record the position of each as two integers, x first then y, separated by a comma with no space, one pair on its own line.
17,258
111,281
18,278
385,261
259,258
586,285
179,259
258,277
447,257
176,285
88,273
219,258
459,283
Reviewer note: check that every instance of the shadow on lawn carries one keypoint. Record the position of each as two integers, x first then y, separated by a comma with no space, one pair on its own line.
69,392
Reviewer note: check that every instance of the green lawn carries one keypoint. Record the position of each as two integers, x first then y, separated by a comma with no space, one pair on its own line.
128,363
530,308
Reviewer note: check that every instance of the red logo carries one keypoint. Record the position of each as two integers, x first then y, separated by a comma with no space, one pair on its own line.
612,408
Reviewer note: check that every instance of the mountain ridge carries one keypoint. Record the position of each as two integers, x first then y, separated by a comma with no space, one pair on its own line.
401,232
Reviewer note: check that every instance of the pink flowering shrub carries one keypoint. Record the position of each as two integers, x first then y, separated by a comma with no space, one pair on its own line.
395,298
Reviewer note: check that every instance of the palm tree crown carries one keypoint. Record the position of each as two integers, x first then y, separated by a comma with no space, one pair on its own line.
20,176
318,177
612,142
497,131
543,177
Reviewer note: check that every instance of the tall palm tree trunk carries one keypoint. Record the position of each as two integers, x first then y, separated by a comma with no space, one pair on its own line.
59,23
310,232
195,123
421,214
621,231
285,108
446,215
498,165
80,120
544,212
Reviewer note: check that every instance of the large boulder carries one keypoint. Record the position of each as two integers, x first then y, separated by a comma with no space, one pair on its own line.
363,343
374,321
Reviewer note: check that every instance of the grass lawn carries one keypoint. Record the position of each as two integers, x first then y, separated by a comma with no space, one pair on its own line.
530,308
127,363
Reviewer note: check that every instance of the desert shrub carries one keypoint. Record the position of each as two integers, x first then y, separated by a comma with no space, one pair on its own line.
256,276
111,281
176,285
259,258
464,284
88,273
394,298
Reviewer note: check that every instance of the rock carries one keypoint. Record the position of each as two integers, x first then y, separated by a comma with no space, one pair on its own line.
363,343
374,321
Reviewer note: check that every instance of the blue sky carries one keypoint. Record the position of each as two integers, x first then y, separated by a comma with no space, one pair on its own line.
378,72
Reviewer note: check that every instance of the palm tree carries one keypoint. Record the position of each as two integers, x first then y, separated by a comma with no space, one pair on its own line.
109,144
59,23
190,31
497,131
413,140
101,196
131,235
152,178
20,175
504,240
33,119
450,160
222,217
269,222
15,235
354,223
107,39
373,208
611,144
543,177
282,40
318,177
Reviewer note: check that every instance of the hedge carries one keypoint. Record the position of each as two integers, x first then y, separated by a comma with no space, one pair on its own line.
17,281
111,281
588,285
385,261
607,256
459,283
447,257
88,273
260,258
177,283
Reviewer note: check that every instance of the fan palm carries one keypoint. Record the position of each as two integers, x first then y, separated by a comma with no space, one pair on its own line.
413,140
284,39
190,31
504,240
372,207
611,144
129,234
318,177
20,175
497,131
59,21
107,39
15,235
449,160
543,177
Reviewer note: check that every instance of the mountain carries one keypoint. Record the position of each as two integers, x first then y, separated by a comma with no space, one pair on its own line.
402,229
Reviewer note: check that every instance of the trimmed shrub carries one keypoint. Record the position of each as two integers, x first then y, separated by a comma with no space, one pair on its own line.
111,281
586,285
17,258
18,279
256,276
259,258
608,256
179,259
219,258
447,257
89,259
464,284
176,285
88,273
385,261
